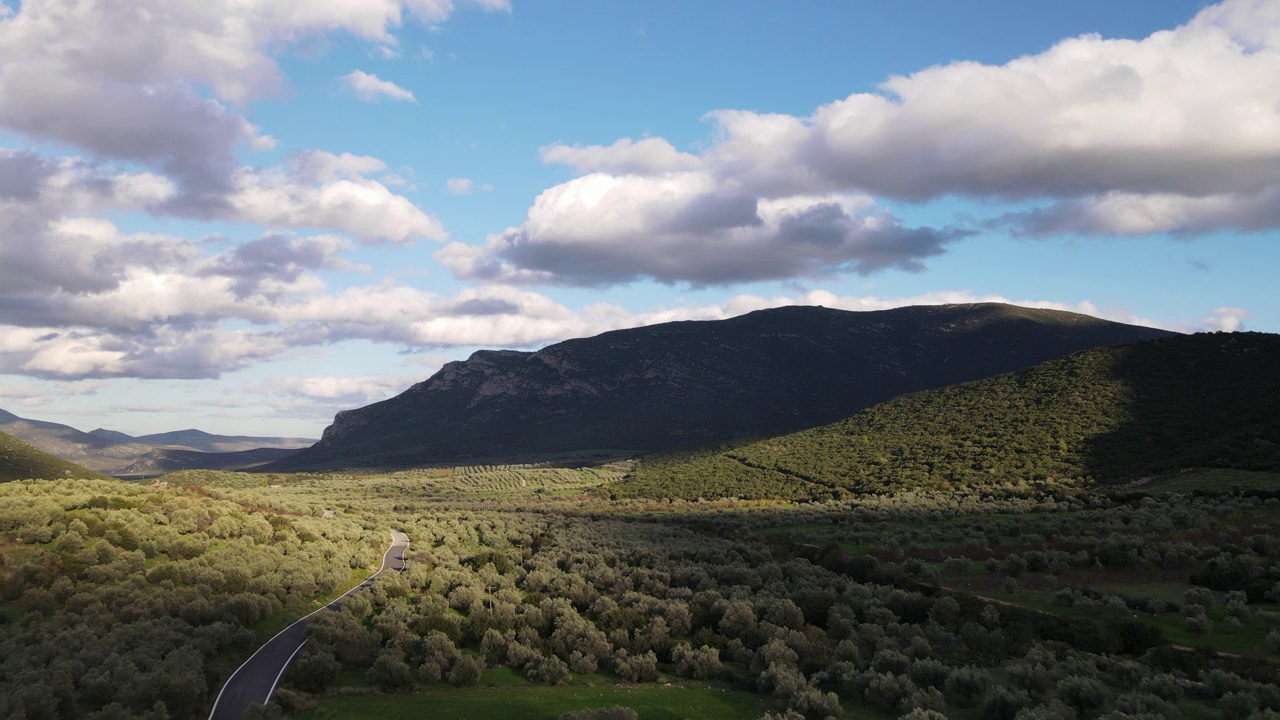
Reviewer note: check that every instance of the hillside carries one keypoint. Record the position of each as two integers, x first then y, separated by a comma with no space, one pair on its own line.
1106,414
20,461
680,383
201,441
167,460
112,452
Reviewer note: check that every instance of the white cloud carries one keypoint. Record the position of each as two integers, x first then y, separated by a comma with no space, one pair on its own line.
1178,133
465,186
690,227
1189,111
1225,319
1118,213
370,88
39,394
163,83
648,156
333,192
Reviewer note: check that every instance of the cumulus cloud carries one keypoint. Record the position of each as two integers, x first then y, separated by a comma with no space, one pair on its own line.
162,83
273,265
689,227
1225,319
1178,132
370,88
334,192
1119,213
1188,111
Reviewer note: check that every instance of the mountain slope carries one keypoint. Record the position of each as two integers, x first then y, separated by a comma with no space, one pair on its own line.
648,388
110,451
20,461
208,443
1110,414
167,460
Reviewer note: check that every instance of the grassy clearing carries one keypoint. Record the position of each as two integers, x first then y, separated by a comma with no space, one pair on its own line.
1251,640
504,694
1213,480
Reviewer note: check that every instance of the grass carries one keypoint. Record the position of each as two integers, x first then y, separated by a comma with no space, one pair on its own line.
1251,640
504,694
1207,479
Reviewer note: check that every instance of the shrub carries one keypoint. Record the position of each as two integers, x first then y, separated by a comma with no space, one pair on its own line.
466,671
637,668
548,670
390,674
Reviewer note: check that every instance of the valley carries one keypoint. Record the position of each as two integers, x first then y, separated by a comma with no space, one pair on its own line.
1096,535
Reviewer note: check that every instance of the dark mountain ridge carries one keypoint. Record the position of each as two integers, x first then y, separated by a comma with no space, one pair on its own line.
1107,414
642,389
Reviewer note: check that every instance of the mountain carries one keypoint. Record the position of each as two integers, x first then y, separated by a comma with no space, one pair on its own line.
20,461
112,435
1111,415
208,443
166,460
109,451
631,391
95,451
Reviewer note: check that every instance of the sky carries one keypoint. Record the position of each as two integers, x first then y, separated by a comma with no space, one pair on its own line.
244,216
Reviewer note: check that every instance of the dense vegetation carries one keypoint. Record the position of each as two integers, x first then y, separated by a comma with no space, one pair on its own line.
649,388
126,600
19,461
1103,415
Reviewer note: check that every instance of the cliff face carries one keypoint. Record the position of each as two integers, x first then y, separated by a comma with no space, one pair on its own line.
649,388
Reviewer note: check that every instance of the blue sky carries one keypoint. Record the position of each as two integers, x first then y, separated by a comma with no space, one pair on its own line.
247,216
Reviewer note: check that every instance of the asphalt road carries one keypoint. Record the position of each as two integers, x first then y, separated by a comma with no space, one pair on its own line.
255,681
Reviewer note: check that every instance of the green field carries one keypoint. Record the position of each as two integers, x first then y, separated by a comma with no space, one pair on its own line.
505,695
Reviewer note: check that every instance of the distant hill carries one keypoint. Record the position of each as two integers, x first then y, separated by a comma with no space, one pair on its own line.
1109,415
20,461
209,443
110,451
167,460
644,389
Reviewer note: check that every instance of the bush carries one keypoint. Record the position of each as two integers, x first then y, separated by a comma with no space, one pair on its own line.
1084,695
966,685
548,670
814,704
638,668
390,674
315,671
466,671
1001,703
702,663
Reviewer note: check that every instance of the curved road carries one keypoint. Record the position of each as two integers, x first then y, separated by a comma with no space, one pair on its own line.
255,681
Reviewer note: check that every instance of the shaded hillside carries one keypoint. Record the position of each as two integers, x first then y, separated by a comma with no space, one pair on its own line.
202,441
113,452
1106,414
20,461
97,450
167,460
680,383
